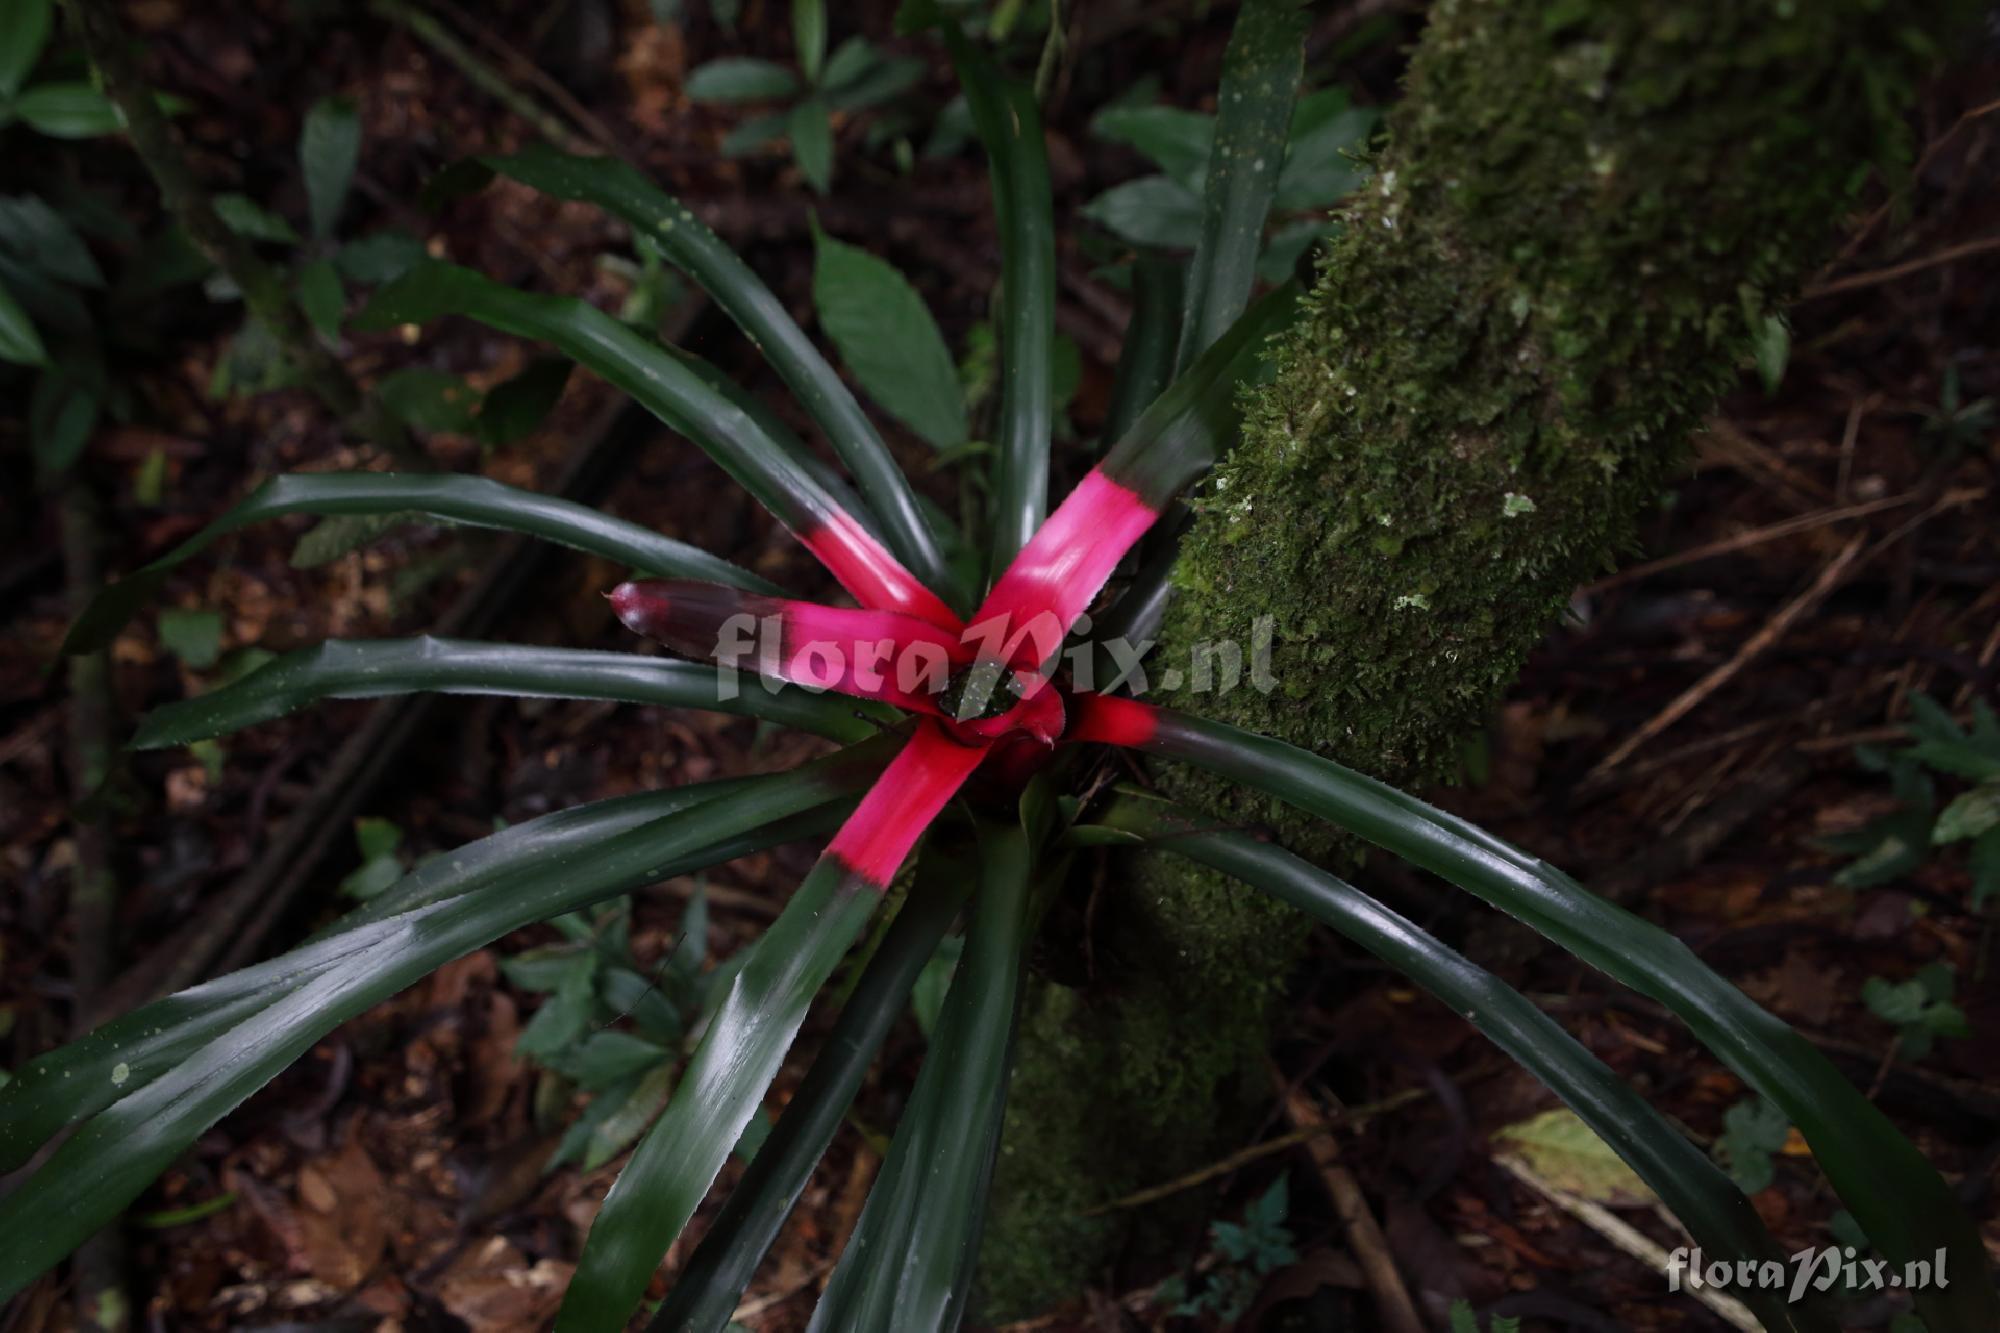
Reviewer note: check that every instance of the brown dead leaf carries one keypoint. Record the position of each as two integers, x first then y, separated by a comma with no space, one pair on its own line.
343,1216
494,1290
1799,988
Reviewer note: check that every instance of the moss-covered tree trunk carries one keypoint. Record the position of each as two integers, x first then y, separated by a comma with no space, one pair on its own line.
1585,211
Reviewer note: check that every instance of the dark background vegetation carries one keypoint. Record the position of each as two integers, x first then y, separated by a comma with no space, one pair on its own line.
1684,743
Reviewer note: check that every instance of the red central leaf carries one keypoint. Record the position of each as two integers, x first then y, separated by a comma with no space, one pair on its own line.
1061,569
899,659
867,570
901,805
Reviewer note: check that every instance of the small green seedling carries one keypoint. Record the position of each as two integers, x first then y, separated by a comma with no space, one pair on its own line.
1921,1008
855,77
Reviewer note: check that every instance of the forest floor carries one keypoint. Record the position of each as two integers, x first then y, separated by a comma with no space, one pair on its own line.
1684,743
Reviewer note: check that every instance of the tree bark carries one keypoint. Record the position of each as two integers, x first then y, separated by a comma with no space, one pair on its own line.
1585,212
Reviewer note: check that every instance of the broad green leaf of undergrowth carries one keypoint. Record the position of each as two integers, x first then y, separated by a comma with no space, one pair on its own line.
195,637
1152,211
329,149
68,111
252,221
1175,139
1752,1130
811,132
809,36
19,342
39,236
430,400
321,296
888,339
740,79
24,31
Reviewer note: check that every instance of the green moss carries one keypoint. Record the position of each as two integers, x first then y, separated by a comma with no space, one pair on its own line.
1585,208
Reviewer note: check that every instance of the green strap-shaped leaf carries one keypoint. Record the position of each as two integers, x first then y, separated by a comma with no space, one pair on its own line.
1260,81
76,1080
1893,1192
707,1291
1146,362
650,211
1187,428
722,1088
374,668
661,383
1009,123
472,501
118,1151
908,1265
1715,1212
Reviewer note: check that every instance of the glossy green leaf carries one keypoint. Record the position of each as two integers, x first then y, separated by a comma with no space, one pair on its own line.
19,342
160,1090
517,407
619,189
1322,155
1896,1194
1714,1211
1150,211
63,411
810,128
1260,80
375,668
252,221
799,496
722,1087
68,111
882,78
24,31
193,636
752,135
473,501
710,1286
37,235
329,150
888,339
908,1265
430,400
379,257
322,297
1009,123
809,36
740,79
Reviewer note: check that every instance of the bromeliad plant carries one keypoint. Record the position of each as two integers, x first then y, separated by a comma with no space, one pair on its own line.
936,694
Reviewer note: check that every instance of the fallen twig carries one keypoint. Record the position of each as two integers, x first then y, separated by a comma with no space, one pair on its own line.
1364,1234
1631,1240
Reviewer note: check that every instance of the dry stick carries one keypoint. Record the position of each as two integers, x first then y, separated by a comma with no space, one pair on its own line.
1773,630
1843,564
102,1302
600,135
1903,270
1916,173
426,29
1758,536
1631,1240
1353,1118
1364,1235
265,296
